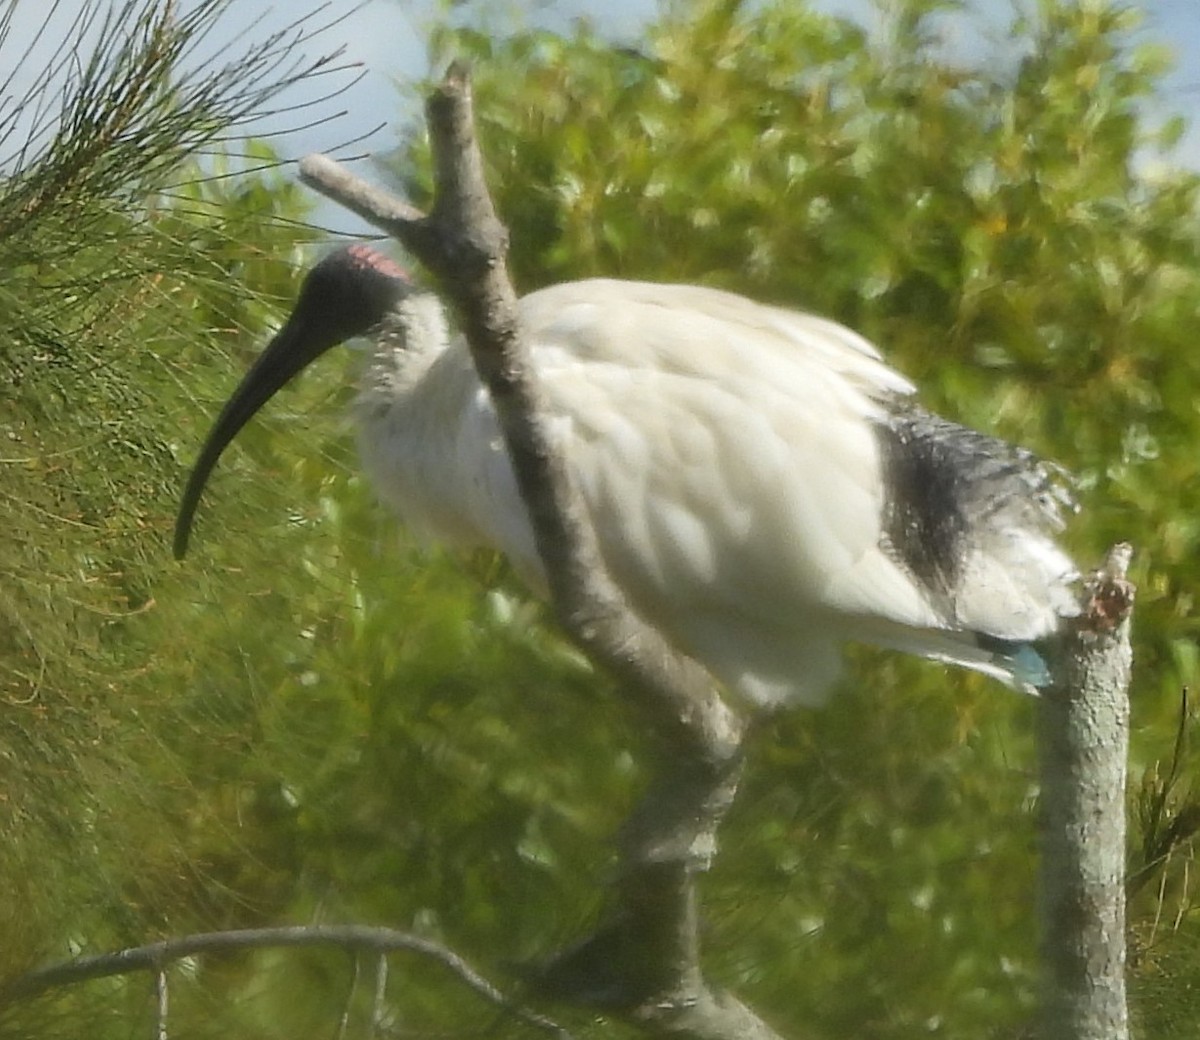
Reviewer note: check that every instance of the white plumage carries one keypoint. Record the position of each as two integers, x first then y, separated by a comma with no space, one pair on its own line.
762,486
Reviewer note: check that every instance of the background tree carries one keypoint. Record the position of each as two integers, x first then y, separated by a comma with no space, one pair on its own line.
307,723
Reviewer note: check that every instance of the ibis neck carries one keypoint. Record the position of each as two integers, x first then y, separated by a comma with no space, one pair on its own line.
403,346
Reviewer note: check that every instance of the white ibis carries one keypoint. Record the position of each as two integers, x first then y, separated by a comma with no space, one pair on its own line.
762,486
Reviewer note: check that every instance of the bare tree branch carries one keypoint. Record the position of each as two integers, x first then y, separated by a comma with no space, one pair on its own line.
351,990
1084,743
162,998
645,963
156,957
379,1002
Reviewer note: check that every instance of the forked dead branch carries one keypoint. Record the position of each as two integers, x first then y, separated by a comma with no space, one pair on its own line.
645,963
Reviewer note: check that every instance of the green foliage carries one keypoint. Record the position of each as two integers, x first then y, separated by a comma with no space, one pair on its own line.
313,719
117,310
99,398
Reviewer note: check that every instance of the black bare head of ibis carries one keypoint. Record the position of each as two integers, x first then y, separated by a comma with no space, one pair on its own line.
347,294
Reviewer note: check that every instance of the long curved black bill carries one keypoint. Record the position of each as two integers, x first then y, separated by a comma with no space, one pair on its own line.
292,349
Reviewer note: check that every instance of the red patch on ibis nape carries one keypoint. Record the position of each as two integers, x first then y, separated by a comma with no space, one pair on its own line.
363,256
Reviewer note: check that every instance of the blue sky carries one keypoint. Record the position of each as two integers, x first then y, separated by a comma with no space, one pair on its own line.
387,38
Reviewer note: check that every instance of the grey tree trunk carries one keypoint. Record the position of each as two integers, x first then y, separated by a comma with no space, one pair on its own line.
1083,736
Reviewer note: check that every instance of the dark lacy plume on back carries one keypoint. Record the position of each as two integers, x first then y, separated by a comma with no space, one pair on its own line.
950,488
